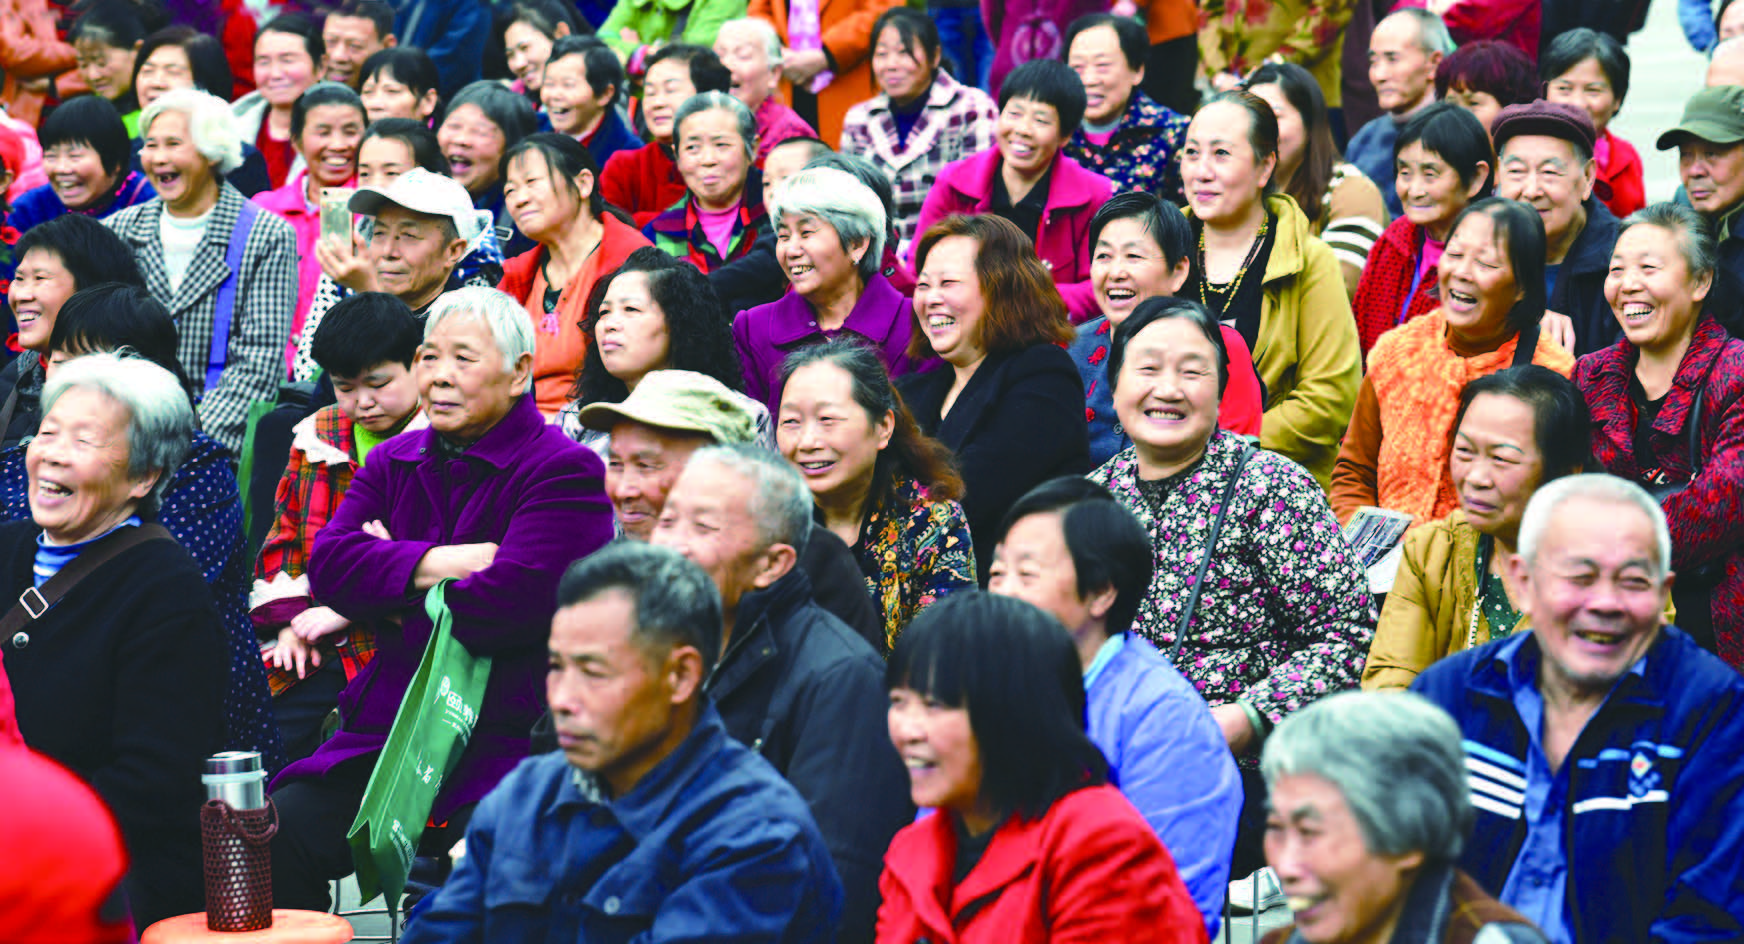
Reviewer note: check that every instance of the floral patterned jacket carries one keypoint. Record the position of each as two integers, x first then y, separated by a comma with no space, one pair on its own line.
1143,152
914,554
1285,616
1238,36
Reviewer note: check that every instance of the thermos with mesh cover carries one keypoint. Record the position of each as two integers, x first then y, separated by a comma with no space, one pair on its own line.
236,824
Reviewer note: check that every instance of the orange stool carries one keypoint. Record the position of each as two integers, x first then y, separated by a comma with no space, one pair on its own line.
288,927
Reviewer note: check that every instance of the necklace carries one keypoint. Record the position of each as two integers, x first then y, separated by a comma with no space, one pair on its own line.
1206,286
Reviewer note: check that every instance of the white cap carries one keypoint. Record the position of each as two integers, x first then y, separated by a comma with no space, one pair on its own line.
421,191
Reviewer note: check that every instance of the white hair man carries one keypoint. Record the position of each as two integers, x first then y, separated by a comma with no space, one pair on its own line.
1404,50
751,50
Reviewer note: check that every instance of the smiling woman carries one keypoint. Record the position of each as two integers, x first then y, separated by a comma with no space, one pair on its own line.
85,153
287,57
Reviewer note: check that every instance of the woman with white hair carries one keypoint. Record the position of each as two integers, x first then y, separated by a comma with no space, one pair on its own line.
751,50
122,679
829,239
1369,811
226,270
489,496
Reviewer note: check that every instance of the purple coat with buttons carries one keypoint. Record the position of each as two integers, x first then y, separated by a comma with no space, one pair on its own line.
524,486
765,335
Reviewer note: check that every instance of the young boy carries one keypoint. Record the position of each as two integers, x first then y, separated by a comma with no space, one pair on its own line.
365,344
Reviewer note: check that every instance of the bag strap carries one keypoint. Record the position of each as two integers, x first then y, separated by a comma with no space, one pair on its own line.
1247,452
1526,345
219,351
34,601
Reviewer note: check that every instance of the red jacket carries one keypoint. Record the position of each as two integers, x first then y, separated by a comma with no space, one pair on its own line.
1089,870
642,183
1074,196
1623,172
1516,22
1386,278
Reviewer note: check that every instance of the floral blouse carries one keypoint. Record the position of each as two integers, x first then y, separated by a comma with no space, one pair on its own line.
1285,616
915,556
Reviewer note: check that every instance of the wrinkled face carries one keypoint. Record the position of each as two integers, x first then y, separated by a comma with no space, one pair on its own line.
569,100
948,301
1585,86
1430,189
283,68
461,378
474,146
77,463
387,97
329,143
527,49
413,254
381,161
1594,594
179,173
1477,280
664,88
1223,176
1127,267
1481,104
708,519
901,69
165,70
642,465
826,433
1402,73
1546,174
107,69
1292,132
348,41
939,749
1713,174
1028,136
542,205
1167,396
743,53
1033,564
613,702
1315,844
379,400
1650,288
76,173
712,160
40,287
783,162
1102,67
1496,464
811,253
631,332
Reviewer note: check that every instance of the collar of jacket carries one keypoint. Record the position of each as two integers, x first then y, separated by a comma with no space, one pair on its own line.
681,220
1402,237
1290,234
1591,250
1013,852
617,240
1143,115
641,811
755,631
940,94
1222,453
1647,689
502,446
873,317
223,220
1614,365
1070,186
1727,222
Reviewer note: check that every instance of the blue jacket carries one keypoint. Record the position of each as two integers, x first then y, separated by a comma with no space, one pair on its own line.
41,204
1371,150
453,32
1655,813
710,845
1170,760
612,136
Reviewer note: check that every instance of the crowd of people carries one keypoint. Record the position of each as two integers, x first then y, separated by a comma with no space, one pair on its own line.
896,472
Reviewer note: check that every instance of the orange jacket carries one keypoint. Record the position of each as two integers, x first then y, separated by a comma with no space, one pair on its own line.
847,34
30,48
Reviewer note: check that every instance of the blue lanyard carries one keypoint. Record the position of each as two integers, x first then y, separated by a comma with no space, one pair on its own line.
1416,282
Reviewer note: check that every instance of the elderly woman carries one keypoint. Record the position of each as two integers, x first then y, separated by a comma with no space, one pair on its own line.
1590,70
1485,77
888,491
829,46
1667,412
751,50
1126,136
1006,399
551,189
483,121
1025,179
400,82
1026,841
1369,813
829,238
287,59
1261,270
584,88
226,271
1256,598
645,181
86,154
1492,289
921,119
121,681
1515,431
530,502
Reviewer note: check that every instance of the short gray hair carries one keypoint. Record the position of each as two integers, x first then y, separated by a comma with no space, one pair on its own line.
211,124
1695,238
1594,486
1394,756
160,420
506,319
781,503
839,199
676,602
1432,34
764,30
709,101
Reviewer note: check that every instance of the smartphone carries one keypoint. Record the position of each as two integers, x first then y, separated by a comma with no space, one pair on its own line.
336,214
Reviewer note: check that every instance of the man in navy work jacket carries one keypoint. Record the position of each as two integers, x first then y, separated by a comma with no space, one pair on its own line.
1602,747
651,823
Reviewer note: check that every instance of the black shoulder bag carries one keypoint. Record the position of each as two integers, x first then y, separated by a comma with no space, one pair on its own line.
1247,451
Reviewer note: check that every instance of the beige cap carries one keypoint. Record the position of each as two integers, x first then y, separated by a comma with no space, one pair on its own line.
681,400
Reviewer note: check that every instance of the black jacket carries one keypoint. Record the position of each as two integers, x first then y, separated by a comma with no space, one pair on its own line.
1580,289
1017,423
123,682
839,586
807,693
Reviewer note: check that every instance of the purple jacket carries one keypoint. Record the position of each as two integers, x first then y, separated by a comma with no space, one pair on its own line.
524,486
765,335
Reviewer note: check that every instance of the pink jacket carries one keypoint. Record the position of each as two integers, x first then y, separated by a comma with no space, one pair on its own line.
291,204
1074,196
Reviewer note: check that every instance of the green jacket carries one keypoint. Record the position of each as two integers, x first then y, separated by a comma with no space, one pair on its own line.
655,20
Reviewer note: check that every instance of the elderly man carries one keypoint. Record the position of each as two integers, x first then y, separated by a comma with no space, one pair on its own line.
1367,815
751,50
351,34
489,496
651,823
1710,161
422,223
1126,135
1403,53
793,681
1601,746
1545,160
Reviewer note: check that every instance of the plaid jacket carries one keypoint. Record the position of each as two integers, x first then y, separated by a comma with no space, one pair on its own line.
1144,151
266,300
956,123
